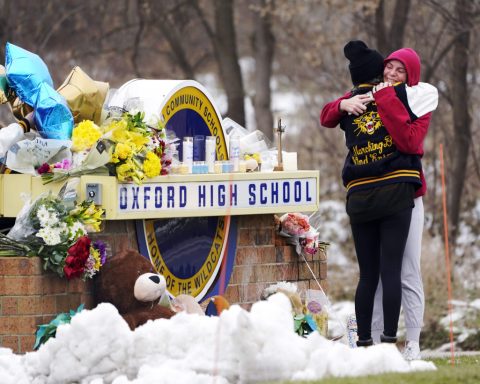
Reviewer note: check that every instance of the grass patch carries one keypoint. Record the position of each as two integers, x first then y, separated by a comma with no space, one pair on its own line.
466,371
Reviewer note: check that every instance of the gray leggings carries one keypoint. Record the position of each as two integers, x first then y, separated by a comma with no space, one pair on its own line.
413,298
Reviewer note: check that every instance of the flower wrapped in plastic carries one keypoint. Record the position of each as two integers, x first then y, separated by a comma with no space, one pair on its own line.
57,231
125,146
27,155
90,154
309,242
298,231
294,224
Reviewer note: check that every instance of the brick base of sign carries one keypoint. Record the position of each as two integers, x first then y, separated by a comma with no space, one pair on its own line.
264,258
30,296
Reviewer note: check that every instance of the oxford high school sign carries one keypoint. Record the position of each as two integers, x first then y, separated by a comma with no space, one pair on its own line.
187,224
188,197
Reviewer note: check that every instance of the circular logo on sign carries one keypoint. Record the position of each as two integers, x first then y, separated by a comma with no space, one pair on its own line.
195,254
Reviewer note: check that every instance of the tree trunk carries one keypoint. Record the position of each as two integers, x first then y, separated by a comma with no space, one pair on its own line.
264,42
227,57
398,25
391,40
380,28
6,27
461,118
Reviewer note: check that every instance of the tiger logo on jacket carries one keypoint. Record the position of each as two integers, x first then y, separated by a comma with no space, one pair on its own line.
367,123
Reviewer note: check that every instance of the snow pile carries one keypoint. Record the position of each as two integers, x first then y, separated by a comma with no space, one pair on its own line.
237,347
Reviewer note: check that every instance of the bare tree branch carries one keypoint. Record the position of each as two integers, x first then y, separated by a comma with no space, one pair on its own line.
444,12
436,61
53,28
170,33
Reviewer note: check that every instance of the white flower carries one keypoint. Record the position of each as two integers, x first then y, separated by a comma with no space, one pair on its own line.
76,230
47,217
43,215
51,236
53,219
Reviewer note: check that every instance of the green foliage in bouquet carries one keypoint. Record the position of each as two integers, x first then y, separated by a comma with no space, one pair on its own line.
136,123
56,230
47,331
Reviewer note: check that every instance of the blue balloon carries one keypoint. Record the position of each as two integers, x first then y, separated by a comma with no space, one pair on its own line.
25,72
53,118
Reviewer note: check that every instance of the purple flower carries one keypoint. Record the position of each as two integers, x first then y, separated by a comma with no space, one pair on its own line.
44,168
101,247
64,164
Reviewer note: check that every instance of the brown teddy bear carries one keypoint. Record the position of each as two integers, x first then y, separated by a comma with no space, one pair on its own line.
117,284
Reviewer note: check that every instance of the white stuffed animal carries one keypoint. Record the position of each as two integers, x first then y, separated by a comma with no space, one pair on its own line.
149,287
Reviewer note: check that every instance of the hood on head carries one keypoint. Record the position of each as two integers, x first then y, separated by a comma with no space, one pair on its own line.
410,59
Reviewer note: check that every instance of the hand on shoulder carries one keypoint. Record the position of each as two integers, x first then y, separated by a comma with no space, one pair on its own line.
356,105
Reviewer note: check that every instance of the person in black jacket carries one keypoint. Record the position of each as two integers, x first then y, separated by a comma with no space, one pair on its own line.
381,182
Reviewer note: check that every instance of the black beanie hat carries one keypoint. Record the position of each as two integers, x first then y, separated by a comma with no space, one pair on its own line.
365,63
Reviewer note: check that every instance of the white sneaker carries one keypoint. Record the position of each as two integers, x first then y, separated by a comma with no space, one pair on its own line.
411,351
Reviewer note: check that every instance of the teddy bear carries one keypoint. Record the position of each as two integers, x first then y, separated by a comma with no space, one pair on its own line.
129,282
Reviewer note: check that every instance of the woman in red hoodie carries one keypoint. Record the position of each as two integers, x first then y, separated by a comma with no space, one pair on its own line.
404,65
405,114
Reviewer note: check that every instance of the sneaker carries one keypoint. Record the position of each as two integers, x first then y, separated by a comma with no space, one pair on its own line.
411,351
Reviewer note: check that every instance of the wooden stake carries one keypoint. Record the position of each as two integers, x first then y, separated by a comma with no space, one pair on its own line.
447,254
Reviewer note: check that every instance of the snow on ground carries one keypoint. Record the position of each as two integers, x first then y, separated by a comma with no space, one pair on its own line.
237,347
463,317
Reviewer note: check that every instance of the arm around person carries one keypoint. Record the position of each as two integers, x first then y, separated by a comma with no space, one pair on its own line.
333,112
408,132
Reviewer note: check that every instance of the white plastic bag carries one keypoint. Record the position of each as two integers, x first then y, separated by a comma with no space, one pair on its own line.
9,135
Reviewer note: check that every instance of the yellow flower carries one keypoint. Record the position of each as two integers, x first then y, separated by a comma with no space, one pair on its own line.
96,256
89,215
125,171
84,135
152,165
138,140
123,151
117,127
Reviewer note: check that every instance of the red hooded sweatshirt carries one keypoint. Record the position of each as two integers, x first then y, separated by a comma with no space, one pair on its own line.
407,135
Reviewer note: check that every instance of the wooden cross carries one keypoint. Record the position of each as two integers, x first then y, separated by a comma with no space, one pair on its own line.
280,130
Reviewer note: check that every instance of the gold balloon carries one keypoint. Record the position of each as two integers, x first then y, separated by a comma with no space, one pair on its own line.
84,96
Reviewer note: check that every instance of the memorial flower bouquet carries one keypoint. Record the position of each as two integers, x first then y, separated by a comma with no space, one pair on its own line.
137,147
308,309
124,146
294,224
296,227
57,231
90,154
